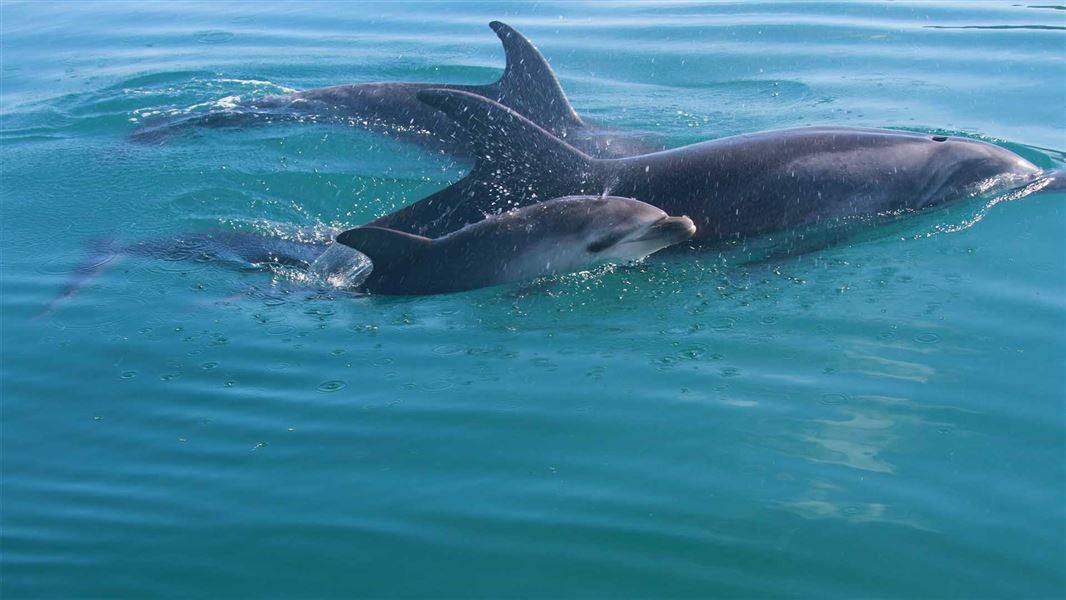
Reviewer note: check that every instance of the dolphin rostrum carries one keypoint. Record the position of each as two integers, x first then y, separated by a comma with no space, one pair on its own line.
732,187
555,236
528,86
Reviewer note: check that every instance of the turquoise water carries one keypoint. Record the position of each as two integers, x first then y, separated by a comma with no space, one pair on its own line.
884,418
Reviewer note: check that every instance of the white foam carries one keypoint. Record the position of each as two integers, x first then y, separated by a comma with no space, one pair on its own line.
259,82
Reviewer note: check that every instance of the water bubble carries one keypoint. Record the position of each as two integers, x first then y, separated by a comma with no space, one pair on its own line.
213,37
693,352
927,338
128,374
833,399
331,386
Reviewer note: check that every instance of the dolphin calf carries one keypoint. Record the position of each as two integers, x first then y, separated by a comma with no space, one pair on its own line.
731,187
528,86
555,236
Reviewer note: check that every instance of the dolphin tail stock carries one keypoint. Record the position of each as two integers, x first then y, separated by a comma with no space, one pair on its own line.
529,85
517,163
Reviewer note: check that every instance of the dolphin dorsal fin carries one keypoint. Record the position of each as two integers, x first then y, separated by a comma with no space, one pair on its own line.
529,85
384,246
500,135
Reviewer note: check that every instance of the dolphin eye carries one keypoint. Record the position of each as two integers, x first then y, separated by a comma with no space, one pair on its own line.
939,138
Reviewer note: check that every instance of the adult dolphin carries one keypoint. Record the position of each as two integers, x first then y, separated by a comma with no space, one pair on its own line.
731,187
555,236
528,86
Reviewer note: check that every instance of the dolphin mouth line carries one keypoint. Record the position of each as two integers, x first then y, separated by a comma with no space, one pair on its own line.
673,228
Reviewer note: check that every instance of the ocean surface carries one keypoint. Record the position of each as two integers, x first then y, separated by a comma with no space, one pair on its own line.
882,418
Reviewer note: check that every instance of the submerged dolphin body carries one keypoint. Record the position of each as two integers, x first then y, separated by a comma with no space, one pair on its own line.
528,86
239,250
555,236
732,187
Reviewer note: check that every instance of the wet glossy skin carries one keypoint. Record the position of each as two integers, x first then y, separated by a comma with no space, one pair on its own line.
731,187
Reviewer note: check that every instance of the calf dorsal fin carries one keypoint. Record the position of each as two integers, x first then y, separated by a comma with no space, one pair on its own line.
385,247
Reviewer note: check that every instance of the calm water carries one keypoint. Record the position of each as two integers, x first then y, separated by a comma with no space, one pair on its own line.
883,418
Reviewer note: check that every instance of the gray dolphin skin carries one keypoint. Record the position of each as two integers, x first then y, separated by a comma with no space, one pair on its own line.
554,236
528,85
732,187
